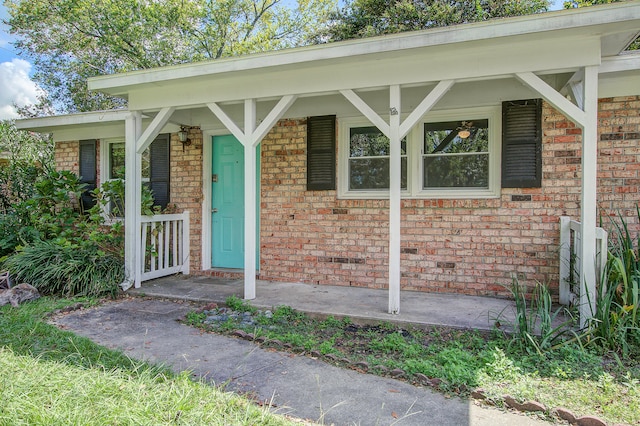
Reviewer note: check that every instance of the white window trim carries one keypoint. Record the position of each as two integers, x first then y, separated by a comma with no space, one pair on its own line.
105,166
105,158
414,157
344,138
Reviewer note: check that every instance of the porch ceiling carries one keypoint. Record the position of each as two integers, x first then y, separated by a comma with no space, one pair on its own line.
490,92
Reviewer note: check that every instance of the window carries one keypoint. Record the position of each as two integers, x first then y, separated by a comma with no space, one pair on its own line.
367,162
116,161
450,154
87,172
369,152
155,166
456,154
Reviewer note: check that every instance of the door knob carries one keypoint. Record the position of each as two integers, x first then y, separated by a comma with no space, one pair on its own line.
214,210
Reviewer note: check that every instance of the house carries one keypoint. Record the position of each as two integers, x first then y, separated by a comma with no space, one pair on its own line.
438,160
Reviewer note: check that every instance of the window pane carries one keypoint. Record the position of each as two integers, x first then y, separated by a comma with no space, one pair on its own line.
116,161
456,137
373,173
370,142
146,164
456,171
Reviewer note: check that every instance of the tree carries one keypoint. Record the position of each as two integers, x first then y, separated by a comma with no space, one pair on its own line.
23,146
365,18
72,40
29,155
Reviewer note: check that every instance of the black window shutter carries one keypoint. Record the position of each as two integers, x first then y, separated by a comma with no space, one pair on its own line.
321,153
159,169
522,144
88,172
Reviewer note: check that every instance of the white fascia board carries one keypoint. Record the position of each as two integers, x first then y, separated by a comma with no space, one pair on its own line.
76,133
472,60
623,62
90,125
626,83
48,124
580,22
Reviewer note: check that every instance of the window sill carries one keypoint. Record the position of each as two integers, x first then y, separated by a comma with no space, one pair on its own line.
424,195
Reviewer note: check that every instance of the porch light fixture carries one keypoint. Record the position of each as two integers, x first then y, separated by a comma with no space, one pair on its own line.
183,136
464,131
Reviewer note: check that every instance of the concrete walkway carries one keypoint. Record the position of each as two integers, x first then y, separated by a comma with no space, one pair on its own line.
296,385
360,304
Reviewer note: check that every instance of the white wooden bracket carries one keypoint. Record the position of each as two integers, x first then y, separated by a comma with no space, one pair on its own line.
154,128
585,115
395,131
250,137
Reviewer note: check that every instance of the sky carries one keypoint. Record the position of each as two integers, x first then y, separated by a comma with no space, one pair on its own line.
16,86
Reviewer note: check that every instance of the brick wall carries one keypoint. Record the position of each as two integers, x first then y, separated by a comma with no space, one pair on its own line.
186,188
470,246
465,246
66,156
619,159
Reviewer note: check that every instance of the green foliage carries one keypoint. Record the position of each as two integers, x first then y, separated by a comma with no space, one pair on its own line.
563,375
51,243
49,212
287,314
501,367
111,194
194,318
366,18
71,40
536,326
57,377
24,147
616,323
239,305
29,155
61,267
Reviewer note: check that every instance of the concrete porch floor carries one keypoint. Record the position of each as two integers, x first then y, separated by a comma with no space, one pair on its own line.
360,304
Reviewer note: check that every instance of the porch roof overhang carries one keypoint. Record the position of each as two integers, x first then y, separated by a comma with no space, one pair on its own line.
549,43
86,125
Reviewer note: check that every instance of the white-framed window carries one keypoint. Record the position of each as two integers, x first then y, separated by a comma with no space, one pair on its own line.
448,154
112,161
112,158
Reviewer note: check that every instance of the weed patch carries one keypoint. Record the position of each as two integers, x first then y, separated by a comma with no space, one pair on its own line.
456,361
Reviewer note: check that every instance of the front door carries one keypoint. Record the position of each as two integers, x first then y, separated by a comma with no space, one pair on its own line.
227,203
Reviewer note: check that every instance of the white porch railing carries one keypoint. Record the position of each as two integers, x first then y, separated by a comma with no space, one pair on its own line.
164,245
570,262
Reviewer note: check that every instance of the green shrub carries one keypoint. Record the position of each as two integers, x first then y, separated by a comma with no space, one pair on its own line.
616,322
536,326
62,267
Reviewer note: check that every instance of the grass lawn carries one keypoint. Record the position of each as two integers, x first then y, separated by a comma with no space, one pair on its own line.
580,379
49,376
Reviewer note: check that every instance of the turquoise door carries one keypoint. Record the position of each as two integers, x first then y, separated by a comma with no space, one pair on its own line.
227,203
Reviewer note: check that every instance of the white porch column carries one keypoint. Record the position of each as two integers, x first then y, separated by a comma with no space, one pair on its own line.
395,131
585,115
588,203
249,200
250,137
133,195
395,207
